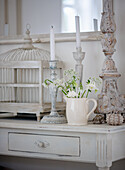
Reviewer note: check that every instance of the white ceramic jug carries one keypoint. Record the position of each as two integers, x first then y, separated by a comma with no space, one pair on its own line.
77,110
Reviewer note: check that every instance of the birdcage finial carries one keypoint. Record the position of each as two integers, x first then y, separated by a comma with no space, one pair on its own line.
27,38
28,26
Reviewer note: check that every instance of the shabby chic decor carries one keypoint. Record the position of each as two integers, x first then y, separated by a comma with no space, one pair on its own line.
54,117
109,98
22,72
114,119
98,144
78,55
99,119
70,87
77,108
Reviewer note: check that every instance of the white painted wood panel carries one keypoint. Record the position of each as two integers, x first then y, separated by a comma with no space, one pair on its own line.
59,145
100,144
119,146
21,82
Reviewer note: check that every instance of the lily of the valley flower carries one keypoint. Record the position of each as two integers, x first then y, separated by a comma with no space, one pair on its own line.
72,94
91,86
68,85
45,85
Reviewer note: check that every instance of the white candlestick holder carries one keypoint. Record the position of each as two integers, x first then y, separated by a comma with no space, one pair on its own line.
79,56
53,117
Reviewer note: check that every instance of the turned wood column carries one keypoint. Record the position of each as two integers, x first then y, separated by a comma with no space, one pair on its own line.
109,99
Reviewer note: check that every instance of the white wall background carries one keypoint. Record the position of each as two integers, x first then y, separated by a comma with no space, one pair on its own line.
2,21
41,14
92,67
36,14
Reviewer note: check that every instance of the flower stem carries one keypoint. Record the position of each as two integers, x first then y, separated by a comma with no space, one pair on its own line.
64,92
83,94
87,93
47,80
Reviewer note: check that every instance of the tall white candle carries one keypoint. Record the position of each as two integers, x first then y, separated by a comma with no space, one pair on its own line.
52,43
78,42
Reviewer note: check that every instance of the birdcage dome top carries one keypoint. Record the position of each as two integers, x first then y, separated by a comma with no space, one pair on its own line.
26,53
21,54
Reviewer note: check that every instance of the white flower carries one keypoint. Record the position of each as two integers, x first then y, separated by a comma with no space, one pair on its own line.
72,94
91,86
45,85
70,75
52,85
58,82
69,85
60,88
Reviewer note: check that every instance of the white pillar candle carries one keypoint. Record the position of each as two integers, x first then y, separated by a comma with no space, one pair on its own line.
52,44
78,42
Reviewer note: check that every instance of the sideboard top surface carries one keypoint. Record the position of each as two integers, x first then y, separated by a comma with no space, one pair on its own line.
90,128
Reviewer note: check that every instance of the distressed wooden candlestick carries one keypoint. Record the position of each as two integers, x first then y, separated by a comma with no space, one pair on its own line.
109,99
54,117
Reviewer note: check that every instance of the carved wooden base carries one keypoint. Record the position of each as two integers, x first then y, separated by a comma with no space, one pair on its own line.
54,118
110,100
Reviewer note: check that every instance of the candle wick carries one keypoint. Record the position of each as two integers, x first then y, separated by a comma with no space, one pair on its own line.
51,26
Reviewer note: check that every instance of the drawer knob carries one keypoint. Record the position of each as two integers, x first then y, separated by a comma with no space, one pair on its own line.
41,144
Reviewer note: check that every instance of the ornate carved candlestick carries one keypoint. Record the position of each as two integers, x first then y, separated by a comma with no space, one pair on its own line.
54,117
79,56
109,99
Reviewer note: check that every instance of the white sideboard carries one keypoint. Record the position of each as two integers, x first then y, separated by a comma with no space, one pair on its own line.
100,144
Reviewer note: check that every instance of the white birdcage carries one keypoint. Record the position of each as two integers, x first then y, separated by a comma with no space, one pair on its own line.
22,72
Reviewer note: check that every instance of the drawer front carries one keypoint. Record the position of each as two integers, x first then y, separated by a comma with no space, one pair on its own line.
59,145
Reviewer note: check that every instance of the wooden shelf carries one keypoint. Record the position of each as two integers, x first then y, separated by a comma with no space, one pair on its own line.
19,85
